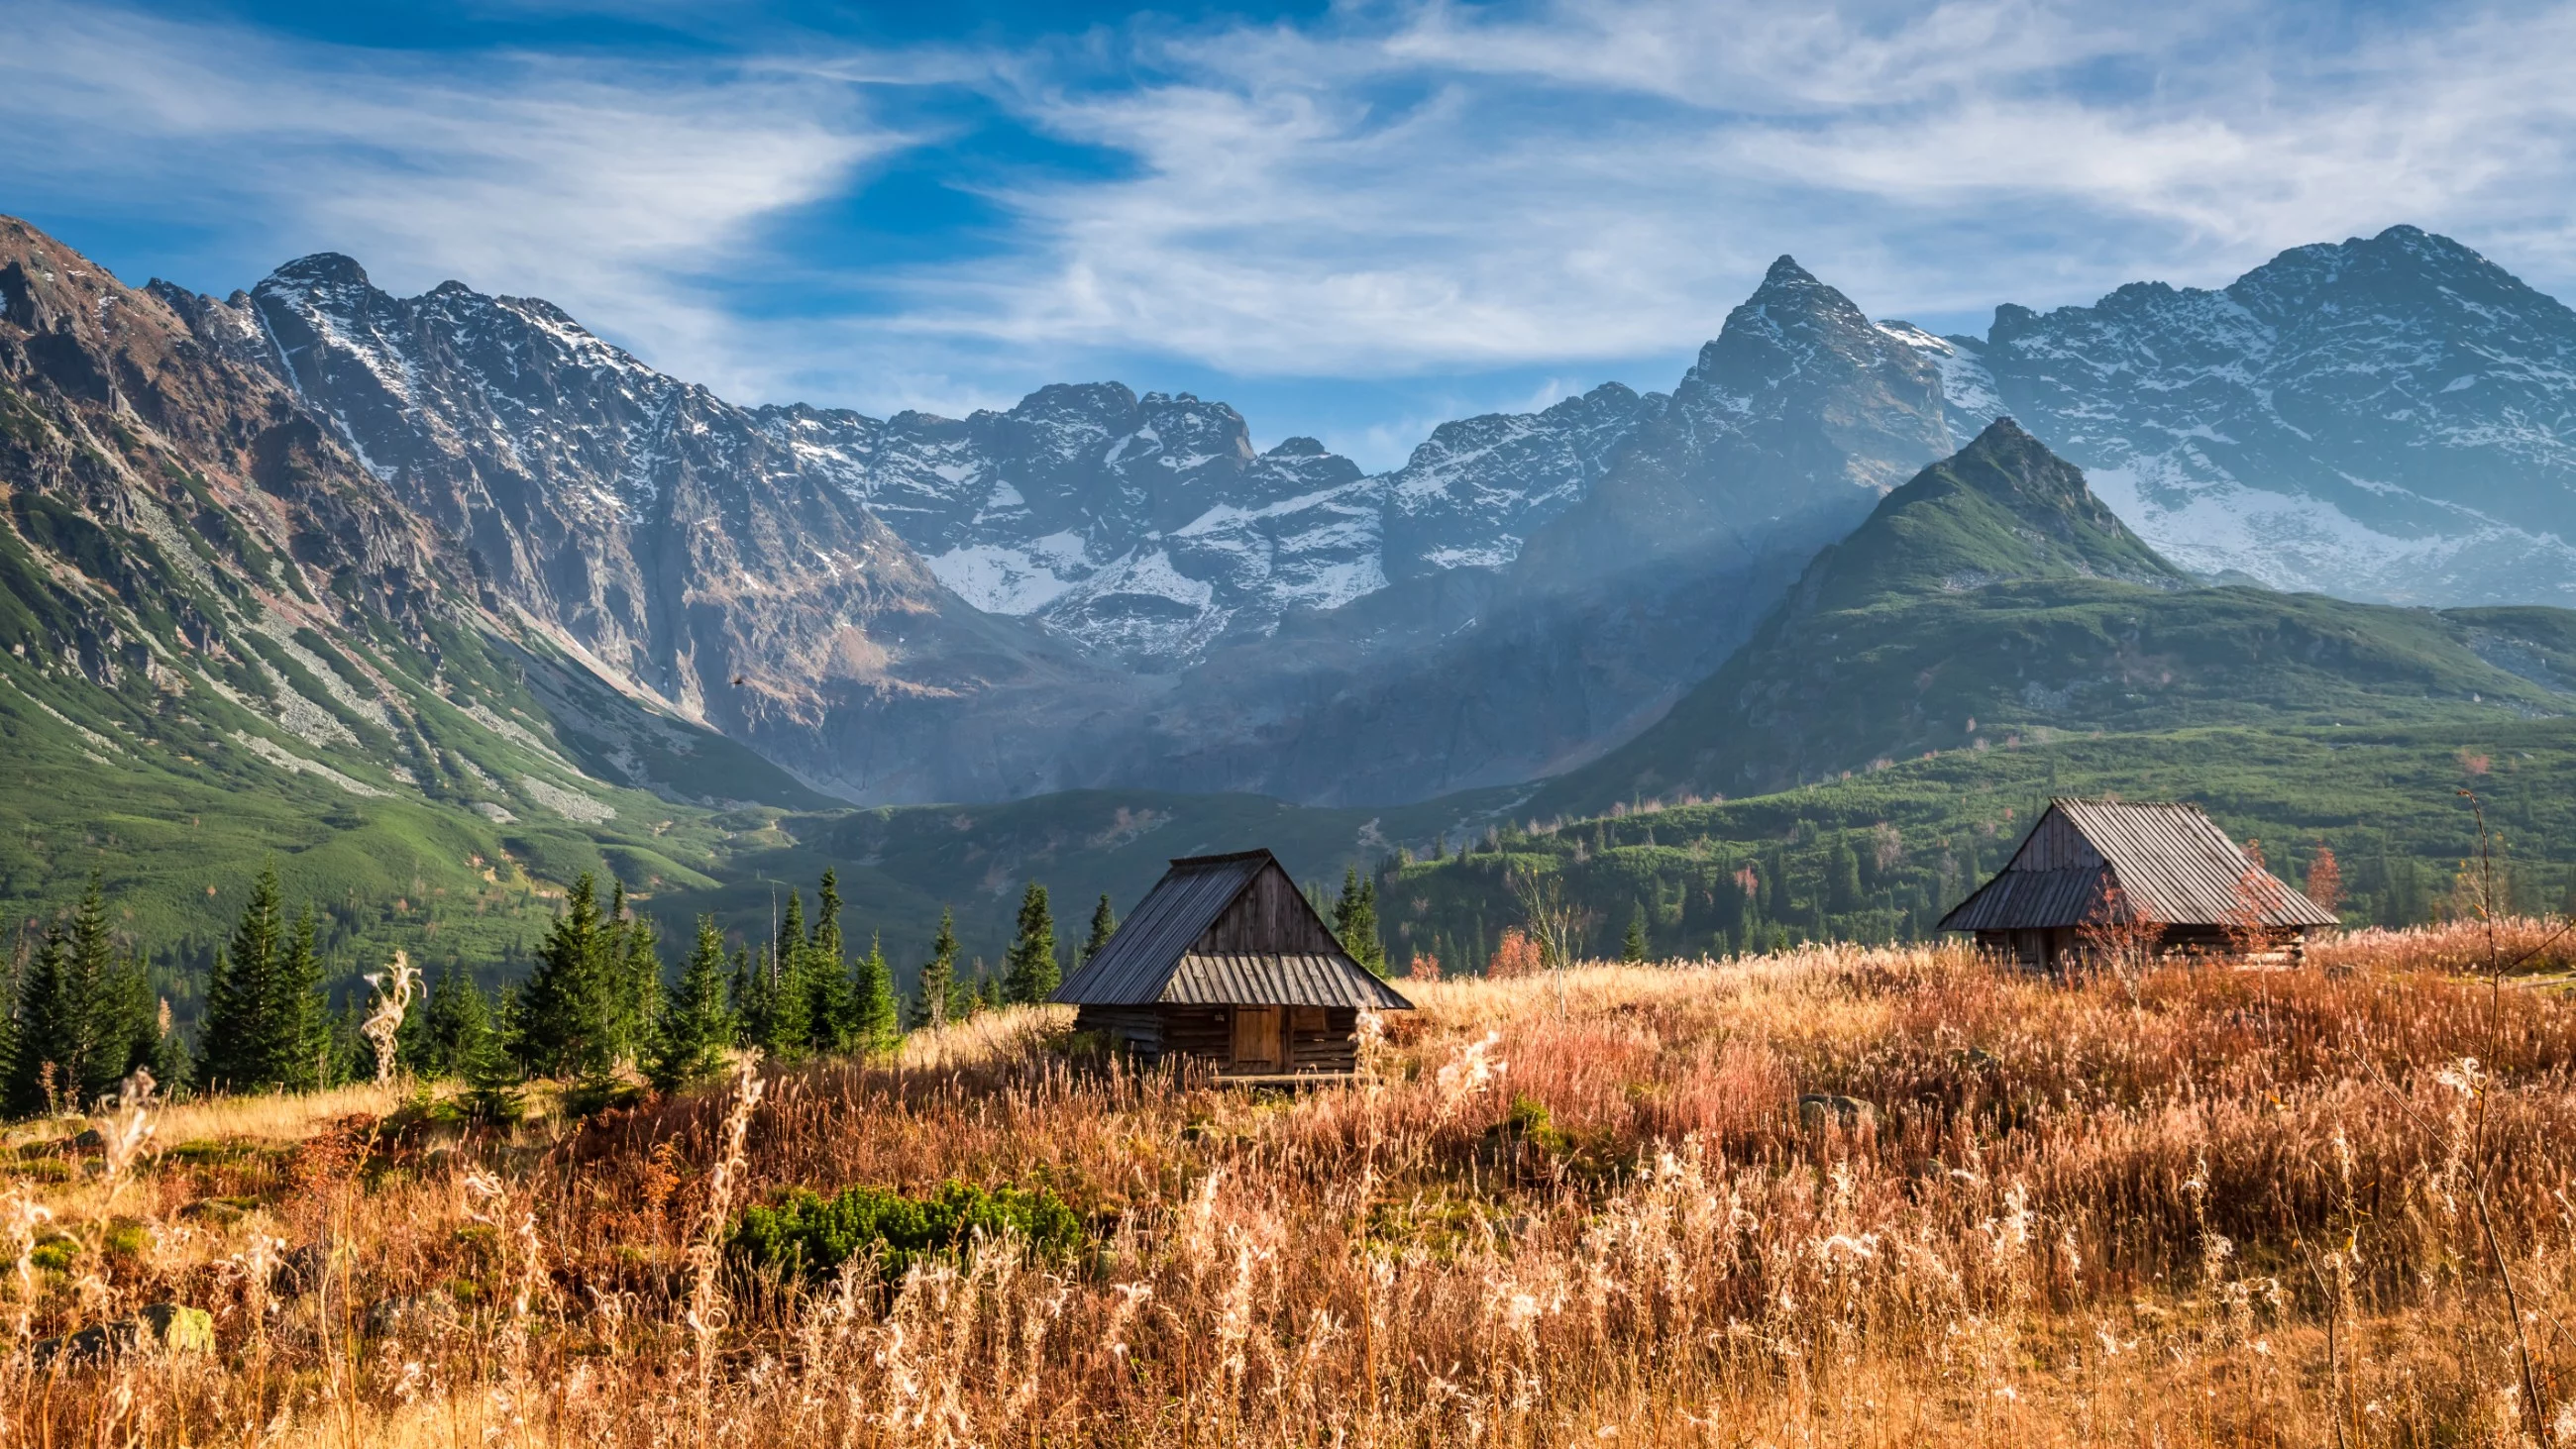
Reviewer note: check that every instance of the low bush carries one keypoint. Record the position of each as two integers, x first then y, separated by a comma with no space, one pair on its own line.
807,1233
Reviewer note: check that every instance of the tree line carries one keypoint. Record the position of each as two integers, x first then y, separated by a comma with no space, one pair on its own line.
78,1015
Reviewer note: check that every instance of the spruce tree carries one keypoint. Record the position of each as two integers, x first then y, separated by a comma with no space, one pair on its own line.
563,1025
233,1036
938,983
129,1021
750,996
106,1029
9,984
301,1039
453,1025
786,1030
492,1073
1843,889
1030,973
876,1020
827,972
639,988
632,980
1104,924
690,1038
1355,921
52,1036
1633,947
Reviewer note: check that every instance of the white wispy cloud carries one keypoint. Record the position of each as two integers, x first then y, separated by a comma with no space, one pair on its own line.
618,190
1432,186
1400,188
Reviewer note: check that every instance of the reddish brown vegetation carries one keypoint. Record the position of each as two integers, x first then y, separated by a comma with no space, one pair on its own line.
2007,1209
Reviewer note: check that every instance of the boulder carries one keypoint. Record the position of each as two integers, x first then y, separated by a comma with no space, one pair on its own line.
1816,1109
171,1327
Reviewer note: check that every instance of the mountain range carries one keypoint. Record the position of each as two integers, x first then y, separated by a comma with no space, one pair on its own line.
454,570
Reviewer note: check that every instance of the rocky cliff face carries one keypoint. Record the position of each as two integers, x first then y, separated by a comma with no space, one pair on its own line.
200,579
2389,418
1145,528
677,543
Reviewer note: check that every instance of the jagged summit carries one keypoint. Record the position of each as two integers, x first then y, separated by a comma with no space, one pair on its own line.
1785,274
333,269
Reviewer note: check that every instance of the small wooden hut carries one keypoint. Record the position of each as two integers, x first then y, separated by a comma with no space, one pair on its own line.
1225,962
2092,873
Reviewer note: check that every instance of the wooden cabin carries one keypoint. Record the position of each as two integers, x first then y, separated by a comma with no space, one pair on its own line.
2091,864
1225,962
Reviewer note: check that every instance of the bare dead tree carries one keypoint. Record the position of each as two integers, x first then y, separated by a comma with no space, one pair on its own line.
1554,923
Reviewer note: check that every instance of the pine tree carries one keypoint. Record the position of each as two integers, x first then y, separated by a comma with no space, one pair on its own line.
1355,921
563,1024
787,1029
1104,924
938,983
453,1025
689,1040
104,1029
53,1025
633,978
234,1051
876,1019
492,1073
639,978
827,972
1030,973
1633,947
301,1040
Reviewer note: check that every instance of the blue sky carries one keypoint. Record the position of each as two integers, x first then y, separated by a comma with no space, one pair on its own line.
1349,220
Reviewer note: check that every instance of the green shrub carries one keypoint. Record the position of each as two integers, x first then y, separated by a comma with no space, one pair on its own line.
807,1233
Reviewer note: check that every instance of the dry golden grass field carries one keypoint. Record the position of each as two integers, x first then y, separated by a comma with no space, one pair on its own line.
2201,1206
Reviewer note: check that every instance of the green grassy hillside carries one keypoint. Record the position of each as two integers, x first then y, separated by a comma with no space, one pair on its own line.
1993,599
1882,854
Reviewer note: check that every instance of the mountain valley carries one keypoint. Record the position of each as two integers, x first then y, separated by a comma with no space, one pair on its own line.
445,600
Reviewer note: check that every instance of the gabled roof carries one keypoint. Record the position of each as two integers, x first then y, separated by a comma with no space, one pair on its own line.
2170,862
1149,959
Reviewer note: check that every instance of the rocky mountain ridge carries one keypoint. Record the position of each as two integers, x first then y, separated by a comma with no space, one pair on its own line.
2390,418
1098,588
1094,587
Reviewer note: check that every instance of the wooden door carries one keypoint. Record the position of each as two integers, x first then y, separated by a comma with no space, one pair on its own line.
1257,1045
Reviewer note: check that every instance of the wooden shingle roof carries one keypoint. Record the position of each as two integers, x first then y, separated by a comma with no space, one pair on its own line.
2170,862
1166,953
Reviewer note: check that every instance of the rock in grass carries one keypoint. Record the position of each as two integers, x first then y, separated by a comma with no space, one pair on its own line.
1815,1109
172,1327
303,1270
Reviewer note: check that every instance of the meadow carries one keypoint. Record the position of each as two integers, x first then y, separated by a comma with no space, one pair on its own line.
1831,1196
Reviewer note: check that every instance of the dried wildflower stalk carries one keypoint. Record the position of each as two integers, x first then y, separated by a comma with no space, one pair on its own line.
394,988
707,1312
